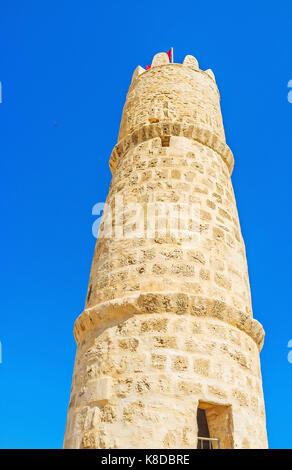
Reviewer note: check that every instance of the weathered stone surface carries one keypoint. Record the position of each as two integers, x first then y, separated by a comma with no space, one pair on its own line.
211,74
137,72
160,59
168,324
99,391
191,62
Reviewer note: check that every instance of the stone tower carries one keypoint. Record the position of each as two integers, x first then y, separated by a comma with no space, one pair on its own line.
167,347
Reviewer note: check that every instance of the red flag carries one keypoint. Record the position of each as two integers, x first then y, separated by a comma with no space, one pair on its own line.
169,53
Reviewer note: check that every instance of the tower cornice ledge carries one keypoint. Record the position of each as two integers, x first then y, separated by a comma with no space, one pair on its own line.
176,129
114,311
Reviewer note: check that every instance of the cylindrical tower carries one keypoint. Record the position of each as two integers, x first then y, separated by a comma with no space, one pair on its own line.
168,350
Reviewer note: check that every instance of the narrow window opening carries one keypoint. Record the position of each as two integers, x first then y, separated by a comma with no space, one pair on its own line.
165,141
215,426
89,293
203,430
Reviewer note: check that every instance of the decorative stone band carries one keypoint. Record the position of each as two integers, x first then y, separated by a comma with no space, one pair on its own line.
166,129
114,311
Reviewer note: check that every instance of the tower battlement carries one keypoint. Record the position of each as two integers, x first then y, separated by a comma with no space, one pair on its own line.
172,100
162,59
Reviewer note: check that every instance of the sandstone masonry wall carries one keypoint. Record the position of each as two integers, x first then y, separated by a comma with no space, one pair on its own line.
168,320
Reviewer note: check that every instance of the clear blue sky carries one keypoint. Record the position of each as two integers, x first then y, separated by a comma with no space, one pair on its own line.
71,62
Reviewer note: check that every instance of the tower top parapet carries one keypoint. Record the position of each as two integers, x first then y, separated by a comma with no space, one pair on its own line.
171,99
162,59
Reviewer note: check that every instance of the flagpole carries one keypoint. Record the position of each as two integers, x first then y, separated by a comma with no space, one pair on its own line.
172,55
